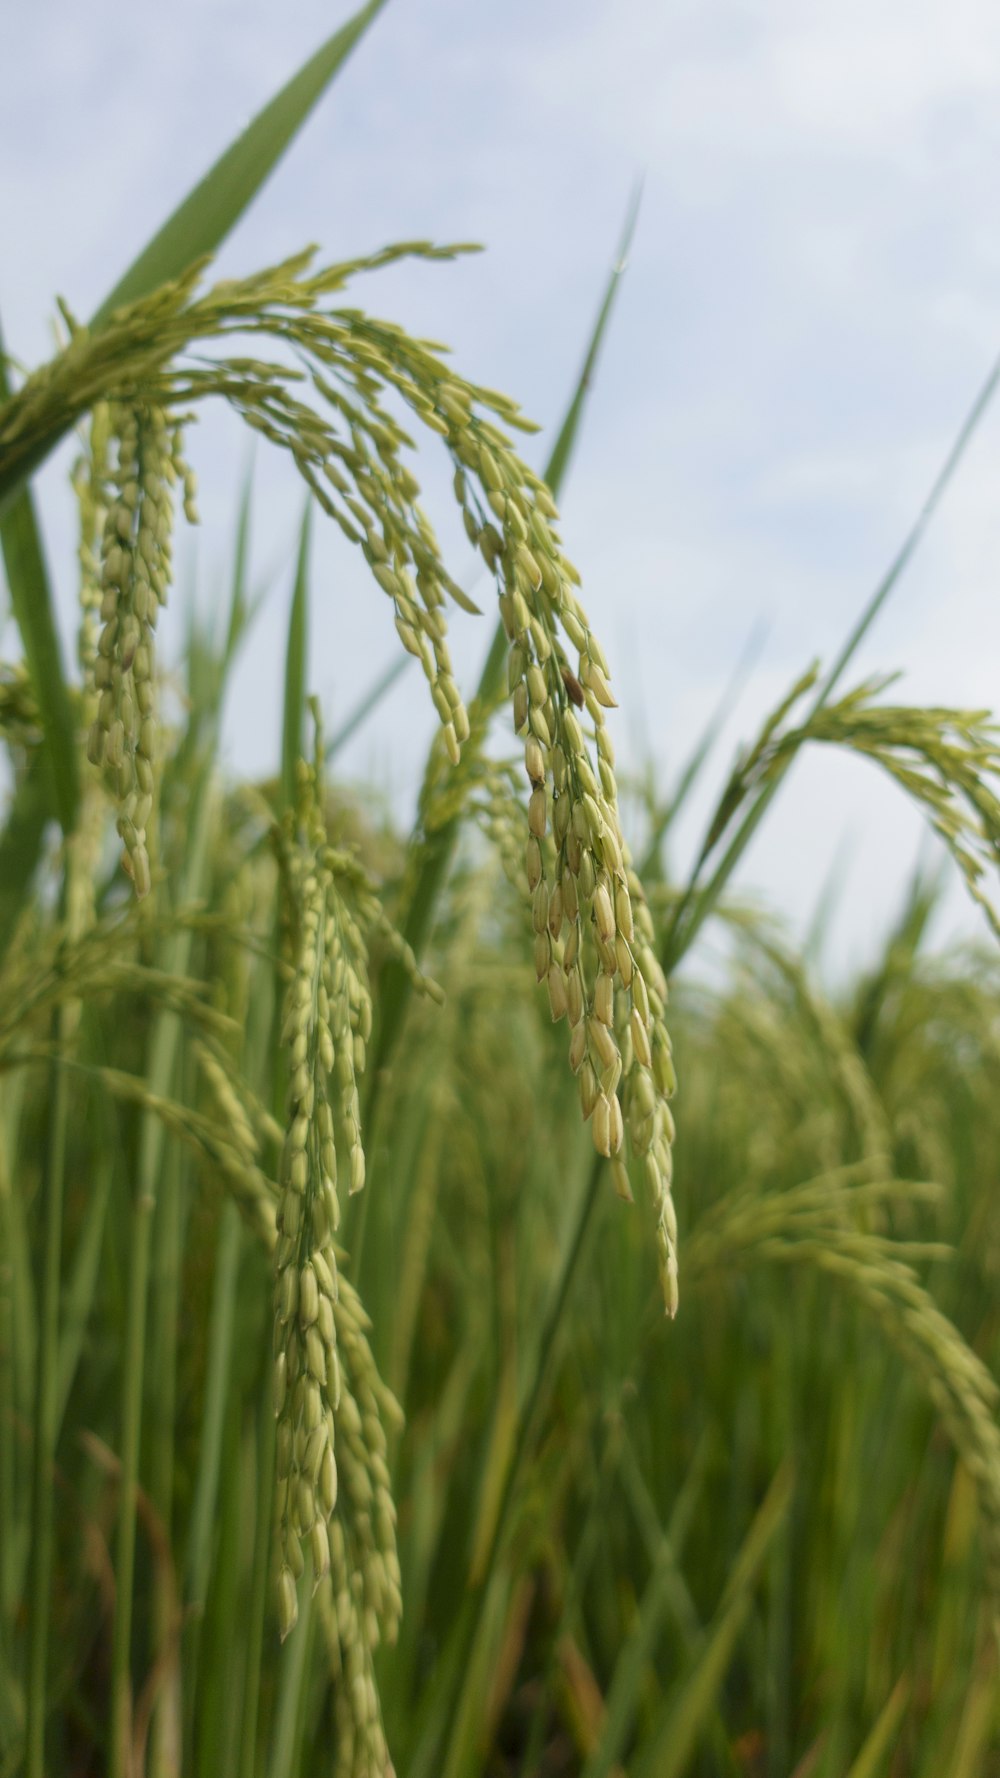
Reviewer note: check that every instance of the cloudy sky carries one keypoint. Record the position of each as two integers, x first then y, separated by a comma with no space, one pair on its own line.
811,304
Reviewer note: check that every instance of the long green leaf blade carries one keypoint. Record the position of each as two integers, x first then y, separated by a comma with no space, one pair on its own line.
562,450
211,210
698,902
20,848
363,709
295,669
667,1753
31,597
873,1757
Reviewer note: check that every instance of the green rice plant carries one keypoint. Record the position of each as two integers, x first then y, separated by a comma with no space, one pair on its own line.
435,1486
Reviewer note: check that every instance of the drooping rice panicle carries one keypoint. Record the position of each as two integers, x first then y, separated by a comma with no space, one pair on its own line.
135,576
333,1502
593,932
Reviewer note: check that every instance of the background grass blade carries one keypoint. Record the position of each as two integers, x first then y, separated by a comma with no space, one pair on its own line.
367,705
240,611
698,903
295,668
562,450
31,597
874,1757
669,1749
21,846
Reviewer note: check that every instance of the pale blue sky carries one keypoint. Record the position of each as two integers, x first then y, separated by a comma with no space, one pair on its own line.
812,301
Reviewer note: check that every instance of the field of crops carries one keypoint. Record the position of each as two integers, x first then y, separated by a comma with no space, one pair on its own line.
427,1347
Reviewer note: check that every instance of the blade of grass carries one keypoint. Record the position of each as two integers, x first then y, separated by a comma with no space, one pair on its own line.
209,212
265,1065
670,1747
216,1457
468,1627
31,598
215,1668
220,1349
293,1680
363,709
8,1474
161,1061
46,1404
872,1758
699,754
259,1579
165,1312
562,451
295,669
21,847
82,1284
18,1344
696,904
239,611
666,1592
977,1730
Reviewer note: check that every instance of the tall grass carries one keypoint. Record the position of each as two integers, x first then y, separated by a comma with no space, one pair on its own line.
248,1407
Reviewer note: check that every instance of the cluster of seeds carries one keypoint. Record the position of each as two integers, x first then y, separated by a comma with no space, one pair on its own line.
90,486
135,574
333,1490
327,1021
593,932
360,1603
349,447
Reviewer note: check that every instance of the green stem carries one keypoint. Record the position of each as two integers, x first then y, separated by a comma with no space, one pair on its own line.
8,1473
134,1363
542,1372
292,1685
220,1349
169,1224
159,1072
261,1577
206,1496
46,1411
